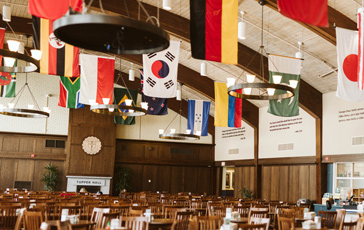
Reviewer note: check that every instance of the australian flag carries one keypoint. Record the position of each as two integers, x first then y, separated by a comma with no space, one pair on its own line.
156,106
198,116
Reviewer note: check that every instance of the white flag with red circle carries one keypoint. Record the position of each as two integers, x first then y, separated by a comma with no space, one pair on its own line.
347,61
361,49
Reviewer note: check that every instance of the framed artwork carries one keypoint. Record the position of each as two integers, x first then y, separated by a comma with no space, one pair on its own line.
227,182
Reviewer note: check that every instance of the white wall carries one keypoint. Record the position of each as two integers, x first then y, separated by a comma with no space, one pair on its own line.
234,138
342,120
275,130
41,85
146,128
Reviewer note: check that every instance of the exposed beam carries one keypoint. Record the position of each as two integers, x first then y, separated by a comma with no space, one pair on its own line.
335,19
172,102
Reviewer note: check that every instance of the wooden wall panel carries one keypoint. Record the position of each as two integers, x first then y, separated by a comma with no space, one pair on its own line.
11,144
164,178
7,175
283,183
25,170
244,177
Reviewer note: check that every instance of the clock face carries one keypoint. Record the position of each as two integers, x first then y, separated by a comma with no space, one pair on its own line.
91,145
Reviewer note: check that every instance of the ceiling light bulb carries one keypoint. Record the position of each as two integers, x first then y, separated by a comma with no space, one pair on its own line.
131,75
30,106
9,62
36,54
92,102
21,48
188,131
203,69
131,111
271,91
299,55
111,110
179,95
277,79
128,102
167,4
161,131
46,109
173,131
106,101
144,105
1,106
230,81
6,13
11,105
13,45
247,91
250,78
293,83
241,30
198,133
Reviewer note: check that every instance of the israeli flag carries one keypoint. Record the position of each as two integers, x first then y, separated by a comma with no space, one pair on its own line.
198,116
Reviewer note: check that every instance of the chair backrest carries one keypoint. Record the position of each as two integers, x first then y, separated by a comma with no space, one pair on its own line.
170,212
209,222
257,220
107,217
72,210
181,220
260,214
348,225
66,225
328,218
289,213
97,214
360,224
251,226
285,223
340,216
32,220
19,220
8,216
135,223
133,212
242,209
217,211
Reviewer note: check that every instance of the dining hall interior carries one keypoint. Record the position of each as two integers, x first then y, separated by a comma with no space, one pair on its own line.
69,159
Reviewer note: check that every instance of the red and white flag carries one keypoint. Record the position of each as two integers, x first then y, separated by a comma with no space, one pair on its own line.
53,9
312,12
97,78
347,61
360,68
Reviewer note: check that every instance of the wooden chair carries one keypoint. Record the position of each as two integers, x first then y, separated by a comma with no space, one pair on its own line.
20,218
348,226
251,226
32,220
72,210
285,223
217,211
289,213
97,214
257,220
209,222
340,216
8,218
66,225
170,212
328,218
135,223
133,212
259,214
242,209
181,220
107,217
360,224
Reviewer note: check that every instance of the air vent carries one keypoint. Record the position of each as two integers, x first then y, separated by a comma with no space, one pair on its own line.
55,144
233,151
181,151
23,185
358,141
285,147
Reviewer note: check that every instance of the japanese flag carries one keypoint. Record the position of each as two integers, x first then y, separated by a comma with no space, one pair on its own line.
160,72
347,60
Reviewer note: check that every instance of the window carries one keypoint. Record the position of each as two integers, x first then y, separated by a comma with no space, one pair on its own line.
348,176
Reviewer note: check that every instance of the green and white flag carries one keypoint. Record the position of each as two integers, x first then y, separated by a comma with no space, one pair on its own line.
120,95
7,83
290,69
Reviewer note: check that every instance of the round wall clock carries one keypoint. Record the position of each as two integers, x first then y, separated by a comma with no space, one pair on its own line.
91,145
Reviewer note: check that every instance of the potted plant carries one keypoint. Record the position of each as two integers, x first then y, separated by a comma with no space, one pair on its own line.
50,177
247,193
122,178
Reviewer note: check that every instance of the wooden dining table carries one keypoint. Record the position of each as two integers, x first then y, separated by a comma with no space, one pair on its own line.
81,225
240,220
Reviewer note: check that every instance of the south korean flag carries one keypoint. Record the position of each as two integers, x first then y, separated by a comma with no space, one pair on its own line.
160,72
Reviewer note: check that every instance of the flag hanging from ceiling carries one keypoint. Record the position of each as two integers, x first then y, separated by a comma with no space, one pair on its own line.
2,38
156,105
228,109
8,83
290,69
312,12
198,116
360,68
52,9
69,92
347,62
58,58
214,30
160,72
97,78
120,95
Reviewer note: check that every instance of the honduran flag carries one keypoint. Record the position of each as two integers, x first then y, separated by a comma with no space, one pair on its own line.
228,109
214,30
97,78
58,58
198,116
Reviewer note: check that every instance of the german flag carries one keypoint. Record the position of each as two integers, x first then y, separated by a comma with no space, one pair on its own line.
58,58
214,30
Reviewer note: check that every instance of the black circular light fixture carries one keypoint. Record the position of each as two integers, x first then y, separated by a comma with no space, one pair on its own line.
110,34
34,64
25,113
179,136
118,110
288,91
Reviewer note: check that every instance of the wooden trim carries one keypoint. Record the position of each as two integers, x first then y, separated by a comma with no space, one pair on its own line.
343,158
235,163
143,161
288,161
35,135
38,156
161,142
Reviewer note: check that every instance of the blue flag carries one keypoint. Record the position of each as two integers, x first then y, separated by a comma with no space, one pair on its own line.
198,116
156,106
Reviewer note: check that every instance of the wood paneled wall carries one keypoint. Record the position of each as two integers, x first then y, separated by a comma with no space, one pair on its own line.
84,123
289,182
172,172
244,177
17,164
